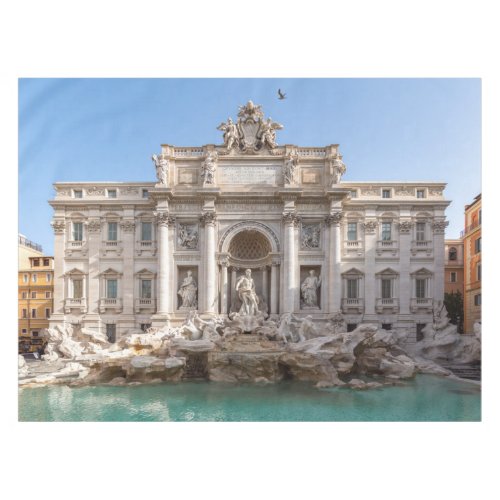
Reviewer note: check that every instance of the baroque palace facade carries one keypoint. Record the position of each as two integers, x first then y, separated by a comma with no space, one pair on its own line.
131,255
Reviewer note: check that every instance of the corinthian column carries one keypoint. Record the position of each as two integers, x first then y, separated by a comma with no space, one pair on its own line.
223,289
290,220
274,288
334,278
208,220
164,220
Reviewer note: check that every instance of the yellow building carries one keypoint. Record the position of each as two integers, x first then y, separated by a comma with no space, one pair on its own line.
27,249
35,300
472,264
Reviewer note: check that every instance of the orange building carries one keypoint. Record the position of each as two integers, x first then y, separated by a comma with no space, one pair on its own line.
35,301
472,264
454,266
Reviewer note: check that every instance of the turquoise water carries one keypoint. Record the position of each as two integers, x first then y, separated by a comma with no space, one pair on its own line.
426,398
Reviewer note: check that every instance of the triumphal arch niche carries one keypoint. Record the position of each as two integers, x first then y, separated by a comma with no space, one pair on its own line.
253,208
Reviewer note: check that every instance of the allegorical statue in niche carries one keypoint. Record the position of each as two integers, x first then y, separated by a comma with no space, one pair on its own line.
188,236
289,170
231,136
188,291
309,289
161,165
268,134
245,287
208,168
338,170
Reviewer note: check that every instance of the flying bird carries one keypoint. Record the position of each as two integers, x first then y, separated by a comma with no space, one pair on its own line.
281,95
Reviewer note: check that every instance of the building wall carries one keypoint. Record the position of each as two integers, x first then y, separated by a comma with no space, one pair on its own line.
472,281
455,266
35,293
27,249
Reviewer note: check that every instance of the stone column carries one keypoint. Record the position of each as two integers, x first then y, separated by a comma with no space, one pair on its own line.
438,229
232,293
405,288
370,227
208,220
163,220
93,240
223,288
274,288
334,276
264,285
59,227
290,220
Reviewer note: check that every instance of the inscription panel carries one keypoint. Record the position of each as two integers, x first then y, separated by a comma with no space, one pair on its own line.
250,174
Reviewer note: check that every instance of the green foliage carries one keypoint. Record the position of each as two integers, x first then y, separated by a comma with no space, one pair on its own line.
454,303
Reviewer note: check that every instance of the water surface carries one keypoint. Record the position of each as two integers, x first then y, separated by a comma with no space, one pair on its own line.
426,398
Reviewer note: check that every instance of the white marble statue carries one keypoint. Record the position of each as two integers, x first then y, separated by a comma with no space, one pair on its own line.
440,315
290,167
268,135
338,170
231,136
161,165
208,168
477,330
284,329
245,287
309,289
188,291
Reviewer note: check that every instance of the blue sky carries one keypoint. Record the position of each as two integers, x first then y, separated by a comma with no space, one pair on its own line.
107,130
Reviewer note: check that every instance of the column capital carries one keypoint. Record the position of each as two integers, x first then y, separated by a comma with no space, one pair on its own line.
439,226
290,218
208,218
164,218
334,218
58,225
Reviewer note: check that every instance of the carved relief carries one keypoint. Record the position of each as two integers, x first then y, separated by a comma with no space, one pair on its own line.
405,226
129,190
187,236
370,191
95,191
58,226
370,226
310,237
127,226
404,191
435,191
94,225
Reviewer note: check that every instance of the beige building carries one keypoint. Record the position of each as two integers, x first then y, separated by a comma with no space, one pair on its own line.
27,249
454,266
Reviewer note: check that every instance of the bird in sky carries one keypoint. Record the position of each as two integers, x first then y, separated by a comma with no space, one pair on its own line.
281,96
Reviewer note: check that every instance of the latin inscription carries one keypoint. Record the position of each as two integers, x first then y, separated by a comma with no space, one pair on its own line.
250,174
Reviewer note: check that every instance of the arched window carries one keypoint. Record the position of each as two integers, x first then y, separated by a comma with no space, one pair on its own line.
452,254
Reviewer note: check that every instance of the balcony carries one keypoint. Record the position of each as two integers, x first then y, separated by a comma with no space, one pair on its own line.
352,306
111,247
79,304
145,247
145,304
352,248
387,246
76,247
421,305
387,305
112,304
421,247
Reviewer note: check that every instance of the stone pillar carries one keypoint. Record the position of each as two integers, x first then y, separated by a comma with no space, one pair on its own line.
290,288
223,288
334,276
208,220
232,293
274,288
370,227
127,229
163,220
405,285
59,227
265,285
438,229
93,237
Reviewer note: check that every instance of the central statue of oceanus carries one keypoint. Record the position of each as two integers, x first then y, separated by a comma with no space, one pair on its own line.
245,287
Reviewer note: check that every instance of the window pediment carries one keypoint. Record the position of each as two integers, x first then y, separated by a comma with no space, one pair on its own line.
353,273
421,273
145,273
387,273
75,272
110,273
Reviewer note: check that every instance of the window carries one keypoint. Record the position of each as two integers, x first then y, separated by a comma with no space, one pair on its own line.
146,231
23,330
25,313
111,289
24,295
77,289
352,231
77,193
25,278
33,313
352,288
452,254
49,277
386,326
111,332
46,262
145,326
145,193
477,299
420,235
477,245
77,231
354,193
47,295
420,193
386,193
420,333
47,313
111,193
386,288
386,231
112,231
453,277
34,334
420,286
145,289
36,262
479,272
33,295
33,278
